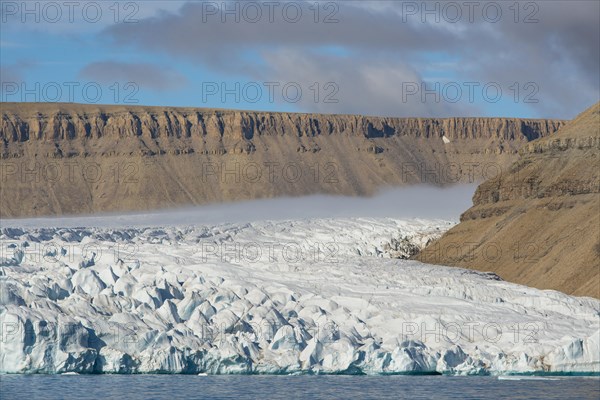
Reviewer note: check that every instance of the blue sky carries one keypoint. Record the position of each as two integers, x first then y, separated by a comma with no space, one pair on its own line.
538,59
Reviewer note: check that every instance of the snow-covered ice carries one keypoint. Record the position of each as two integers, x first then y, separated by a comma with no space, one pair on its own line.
311,295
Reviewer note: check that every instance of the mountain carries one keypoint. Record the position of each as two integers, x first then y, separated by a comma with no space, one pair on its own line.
539,223
71,158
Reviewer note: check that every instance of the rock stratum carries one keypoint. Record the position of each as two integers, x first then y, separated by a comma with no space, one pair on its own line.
70,158
538,224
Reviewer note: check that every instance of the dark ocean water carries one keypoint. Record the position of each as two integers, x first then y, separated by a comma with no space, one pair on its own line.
293,387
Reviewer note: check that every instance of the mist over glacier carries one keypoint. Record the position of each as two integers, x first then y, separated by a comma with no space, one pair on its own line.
420,201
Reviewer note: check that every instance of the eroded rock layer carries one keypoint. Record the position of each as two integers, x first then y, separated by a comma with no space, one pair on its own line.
72,158
538,224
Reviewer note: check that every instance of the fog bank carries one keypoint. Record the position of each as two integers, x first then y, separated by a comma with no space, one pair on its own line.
406,202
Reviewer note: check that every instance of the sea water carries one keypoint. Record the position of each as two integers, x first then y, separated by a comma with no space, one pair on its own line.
295,387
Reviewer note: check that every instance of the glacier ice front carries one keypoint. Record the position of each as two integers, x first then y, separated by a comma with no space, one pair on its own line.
307,296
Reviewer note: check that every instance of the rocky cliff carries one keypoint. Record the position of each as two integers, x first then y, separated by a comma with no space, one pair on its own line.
538,224
72,158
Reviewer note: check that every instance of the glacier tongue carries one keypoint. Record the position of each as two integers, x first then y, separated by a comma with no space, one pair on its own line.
318,296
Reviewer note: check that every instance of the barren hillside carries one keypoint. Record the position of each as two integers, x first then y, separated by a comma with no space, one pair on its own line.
72,158
539,223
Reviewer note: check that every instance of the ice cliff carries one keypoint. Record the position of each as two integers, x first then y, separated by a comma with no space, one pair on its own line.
312,296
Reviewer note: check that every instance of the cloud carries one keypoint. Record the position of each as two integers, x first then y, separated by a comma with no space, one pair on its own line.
560,53
9,74
553,44
77,18
354,85
194,30
144,75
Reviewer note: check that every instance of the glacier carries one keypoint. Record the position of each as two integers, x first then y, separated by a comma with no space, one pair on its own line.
321,295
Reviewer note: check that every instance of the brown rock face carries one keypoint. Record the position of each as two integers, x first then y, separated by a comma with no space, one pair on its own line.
539,223
71,158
